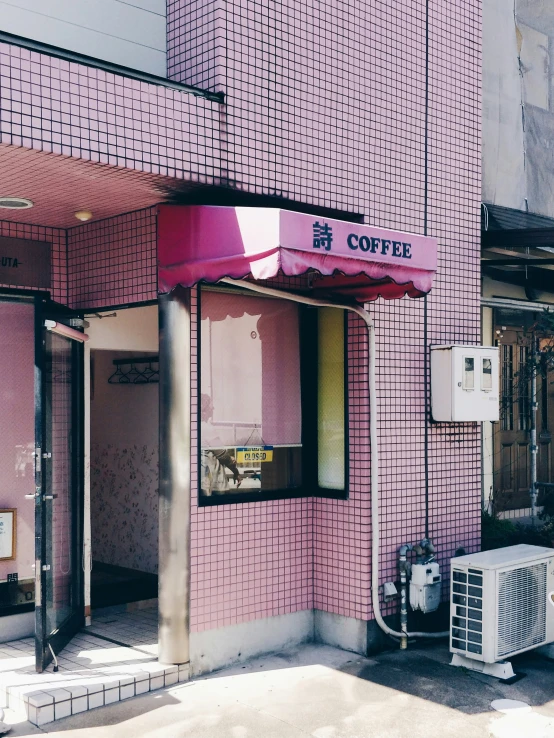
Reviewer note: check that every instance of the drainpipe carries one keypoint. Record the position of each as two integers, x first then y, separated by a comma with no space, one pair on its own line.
427,547
533,434
403,567
373,440
174,496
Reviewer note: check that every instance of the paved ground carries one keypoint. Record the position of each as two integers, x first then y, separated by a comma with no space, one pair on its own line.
326,693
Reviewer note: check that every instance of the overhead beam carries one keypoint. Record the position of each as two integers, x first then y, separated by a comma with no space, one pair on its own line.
540,279
520,238
521,262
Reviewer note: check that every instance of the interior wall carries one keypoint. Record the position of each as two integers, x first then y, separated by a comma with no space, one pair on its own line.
123,468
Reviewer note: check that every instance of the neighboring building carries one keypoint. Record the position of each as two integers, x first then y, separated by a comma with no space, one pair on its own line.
517,238
366,113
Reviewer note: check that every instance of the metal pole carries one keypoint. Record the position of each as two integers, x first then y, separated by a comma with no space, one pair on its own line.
403,567
87,539
175,463
533,433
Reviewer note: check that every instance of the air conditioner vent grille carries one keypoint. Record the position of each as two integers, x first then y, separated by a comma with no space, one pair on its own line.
521,609
467,619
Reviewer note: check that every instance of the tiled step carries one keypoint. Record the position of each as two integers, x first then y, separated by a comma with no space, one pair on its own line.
113,660
67,694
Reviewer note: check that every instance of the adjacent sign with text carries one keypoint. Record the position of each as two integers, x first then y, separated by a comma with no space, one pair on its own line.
25,263
357,241
206,243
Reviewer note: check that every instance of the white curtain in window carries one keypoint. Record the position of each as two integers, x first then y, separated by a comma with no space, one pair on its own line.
250,371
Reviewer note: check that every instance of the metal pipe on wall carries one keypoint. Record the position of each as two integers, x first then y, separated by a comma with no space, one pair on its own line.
403,567
87,536
65,330
533,433
175,471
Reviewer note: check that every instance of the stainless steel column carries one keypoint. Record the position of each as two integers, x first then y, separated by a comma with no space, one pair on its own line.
175,439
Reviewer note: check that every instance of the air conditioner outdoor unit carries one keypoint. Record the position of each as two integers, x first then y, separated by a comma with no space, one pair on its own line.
500,605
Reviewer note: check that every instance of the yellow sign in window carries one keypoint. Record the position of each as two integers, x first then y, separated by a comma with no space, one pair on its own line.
254,454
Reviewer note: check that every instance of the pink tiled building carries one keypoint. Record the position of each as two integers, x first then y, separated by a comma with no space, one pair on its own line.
153,152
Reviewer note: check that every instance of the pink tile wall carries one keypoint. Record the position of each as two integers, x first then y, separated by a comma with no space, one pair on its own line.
321,112
316,109
250,560
400,386
197,38
113,261
326,106
99,264
454,306
342,528
66,108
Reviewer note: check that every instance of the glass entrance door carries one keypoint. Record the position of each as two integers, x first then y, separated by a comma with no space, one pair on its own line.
59,482
17,482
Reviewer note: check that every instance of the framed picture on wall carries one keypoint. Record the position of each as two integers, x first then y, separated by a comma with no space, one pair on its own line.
8,528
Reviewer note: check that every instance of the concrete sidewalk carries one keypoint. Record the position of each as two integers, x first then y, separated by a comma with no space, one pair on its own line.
327,693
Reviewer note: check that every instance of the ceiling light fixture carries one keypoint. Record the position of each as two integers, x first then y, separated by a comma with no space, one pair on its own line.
15,203
83,215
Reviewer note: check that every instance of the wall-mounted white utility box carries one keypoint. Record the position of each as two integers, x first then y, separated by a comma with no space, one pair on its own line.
464,383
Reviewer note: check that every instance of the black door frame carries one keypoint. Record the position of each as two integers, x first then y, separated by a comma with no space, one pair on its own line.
47,644
31,298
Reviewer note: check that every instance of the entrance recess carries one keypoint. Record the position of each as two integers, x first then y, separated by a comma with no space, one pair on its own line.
516,334
59,480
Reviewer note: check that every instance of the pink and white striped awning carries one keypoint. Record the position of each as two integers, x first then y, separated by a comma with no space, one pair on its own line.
203,243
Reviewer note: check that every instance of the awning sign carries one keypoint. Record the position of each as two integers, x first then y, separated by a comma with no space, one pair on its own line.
25,263
200,243
254,454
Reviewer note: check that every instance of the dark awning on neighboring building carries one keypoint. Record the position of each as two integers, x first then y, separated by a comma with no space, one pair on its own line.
517,247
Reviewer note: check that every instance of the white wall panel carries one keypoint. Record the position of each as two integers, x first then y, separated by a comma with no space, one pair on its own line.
154,6
535,66
133,329
503,170
131,33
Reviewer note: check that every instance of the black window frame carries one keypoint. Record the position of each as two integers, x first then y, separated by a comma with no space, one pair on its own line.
308,330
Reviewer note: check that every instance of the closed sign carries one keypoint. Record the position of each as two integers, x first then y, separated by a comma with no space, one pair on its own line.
254,454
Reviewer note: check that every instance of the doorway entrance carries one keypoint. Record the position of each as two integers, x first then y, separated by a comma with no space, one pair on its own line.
123,398
515,332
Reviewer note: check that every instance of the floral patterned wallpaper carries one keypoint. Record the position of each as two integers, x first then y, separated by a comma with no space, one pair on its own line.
123,468
124,506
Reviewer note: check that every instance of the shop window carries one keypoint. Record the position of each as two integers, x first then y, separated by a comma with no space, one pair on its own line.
272,399
331,428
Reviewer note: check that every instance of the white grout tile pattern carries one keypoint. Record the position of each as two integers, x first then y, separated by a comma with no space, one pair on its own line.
112,660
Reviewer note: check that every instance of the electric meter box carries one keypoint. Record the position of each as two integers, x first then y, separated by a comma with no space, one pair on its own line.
464,383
